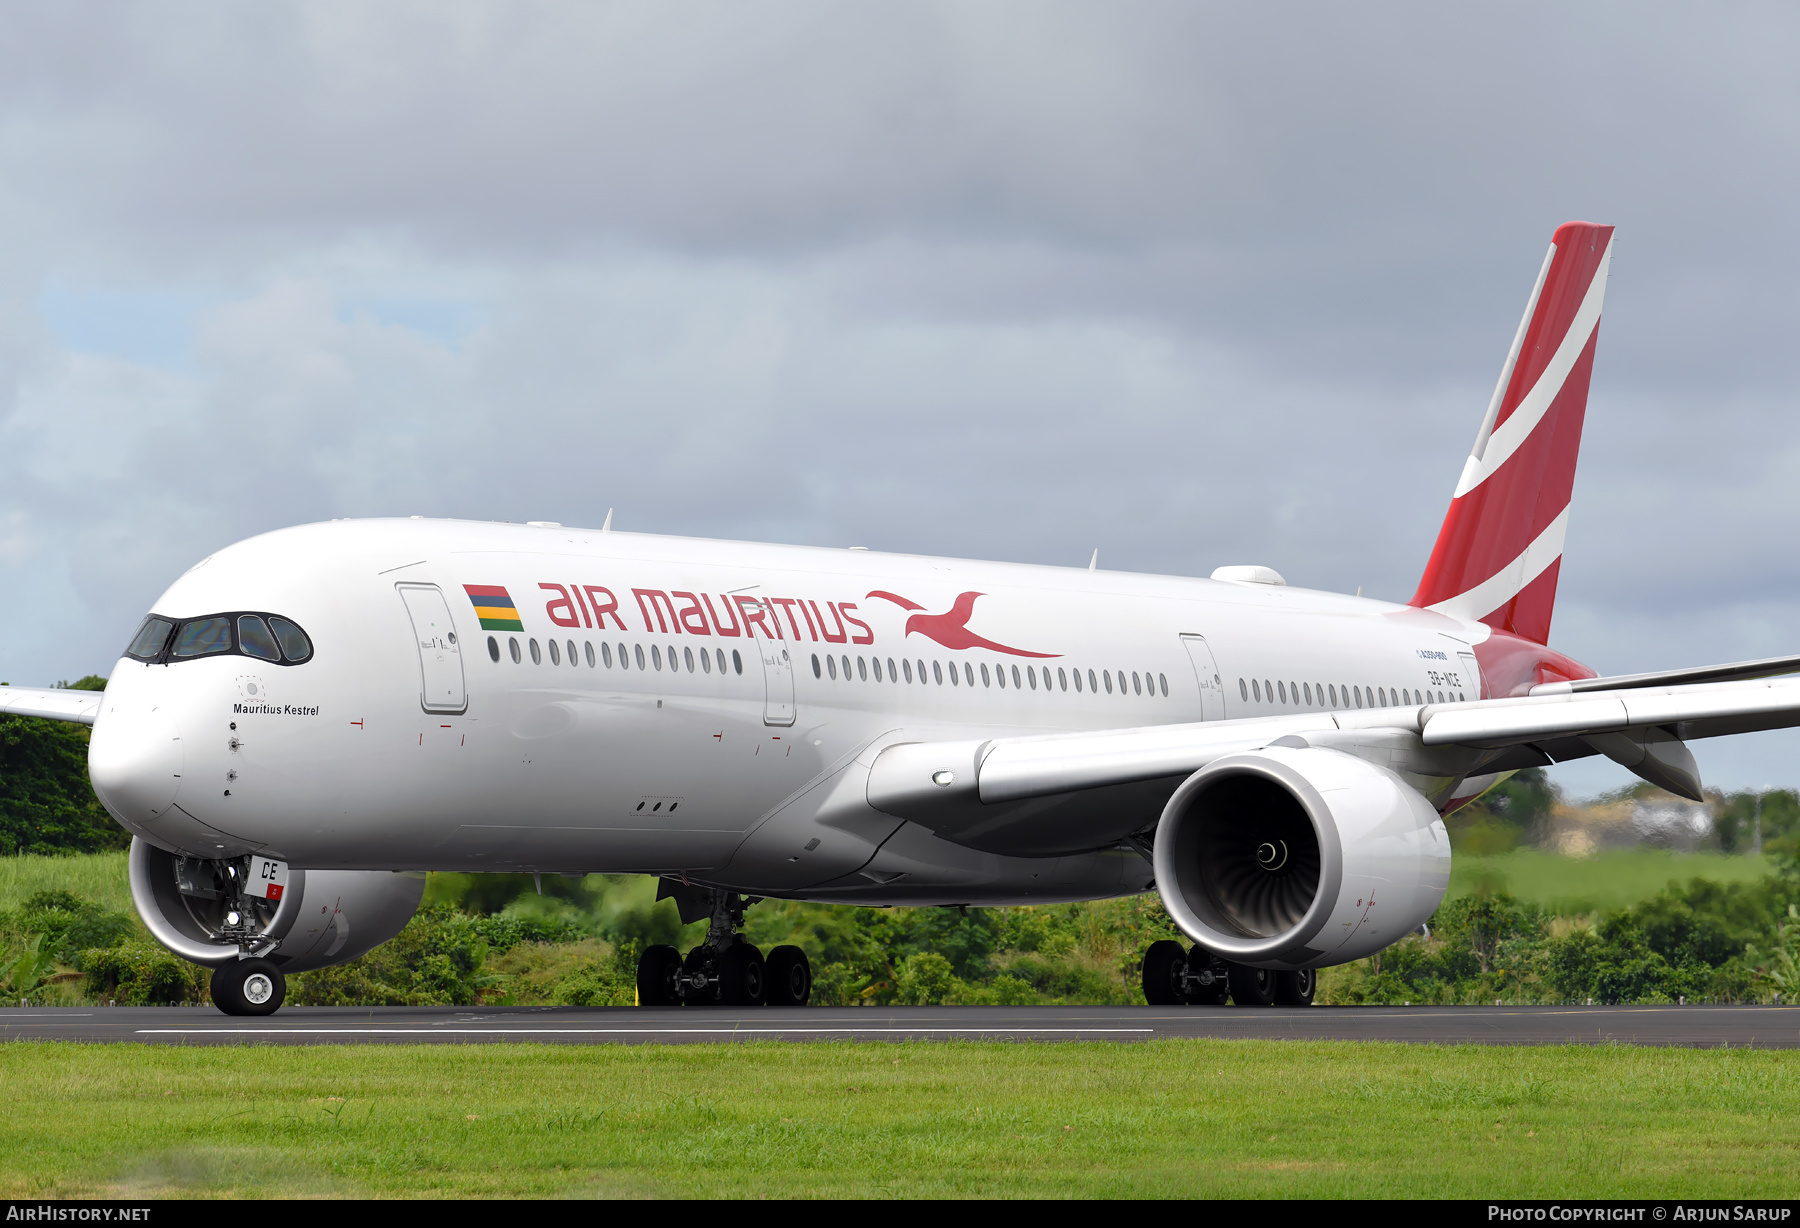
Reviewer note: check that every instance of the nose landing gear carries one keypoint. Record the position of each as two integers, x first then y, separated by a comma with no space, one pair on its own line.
1176,977
725,970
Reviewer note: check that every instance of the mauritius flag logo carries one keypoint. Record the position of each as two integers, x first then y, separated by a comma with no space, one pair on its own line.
494,607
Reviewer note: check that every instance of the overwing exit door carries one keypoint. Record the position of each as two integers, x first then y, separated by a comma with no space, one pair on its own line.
440,657
1206,673
778,674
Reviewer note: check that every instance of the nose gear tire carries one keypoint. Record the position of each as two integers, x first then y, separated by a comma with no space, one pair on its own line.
249,987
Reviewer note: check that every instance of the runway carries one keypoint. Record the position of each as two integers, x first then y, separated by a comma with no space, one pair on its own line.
1763,1027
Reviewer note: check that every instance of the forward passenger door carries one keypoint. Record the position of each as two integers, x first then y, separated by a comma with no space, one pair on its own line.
440,656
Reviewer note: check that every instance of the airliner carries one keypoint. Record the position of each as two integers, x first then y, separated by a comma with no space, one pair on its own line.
307,721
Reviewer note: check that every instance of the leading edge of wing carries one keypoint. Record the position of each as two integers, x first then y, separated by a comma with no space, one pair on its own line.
51,704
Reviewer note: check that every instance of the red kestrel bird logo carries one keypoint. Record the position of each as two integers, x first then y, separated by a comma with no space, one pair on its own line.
952,629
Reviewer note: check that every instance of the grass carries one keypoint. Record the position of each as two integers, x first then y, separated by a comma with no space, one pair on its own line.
772,1120
100,877
1576,886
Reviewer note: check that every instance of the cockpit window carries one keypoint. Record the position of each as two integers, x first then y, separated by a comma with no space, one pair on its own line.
253,634
294,644
203,637
151,638
263,636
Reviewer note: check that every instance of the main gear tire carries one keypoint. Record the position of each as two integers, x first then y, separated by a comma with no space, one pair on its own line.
1251,986
656,972
742,976
1296,988
788,974
1215,994
1165,966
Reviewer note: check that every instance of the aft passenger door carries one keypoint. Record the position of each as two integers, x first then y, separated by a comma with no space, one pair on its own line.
778,675
1206,673
440,657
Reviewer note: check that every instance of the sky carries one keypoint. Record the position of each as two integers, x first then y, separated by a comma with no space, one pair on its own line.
1190,284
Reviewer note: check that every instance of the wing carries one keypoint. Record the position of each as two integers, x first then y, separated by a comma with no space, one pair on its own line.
78,706
1006,794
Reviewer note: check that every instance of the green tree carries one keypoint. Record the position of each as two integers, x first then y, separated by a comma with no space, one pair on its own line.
46,802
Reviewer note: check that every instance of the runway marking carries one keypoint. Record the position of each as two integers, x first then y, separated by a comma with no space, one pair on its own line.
421,1031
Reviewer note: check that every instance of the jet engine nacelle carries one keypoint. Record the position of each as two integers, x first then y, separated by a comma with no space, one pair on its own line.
1299,857
324,917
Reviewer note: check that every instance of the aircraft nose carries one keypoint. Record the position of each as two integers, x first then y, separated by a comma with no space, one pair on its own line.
135,761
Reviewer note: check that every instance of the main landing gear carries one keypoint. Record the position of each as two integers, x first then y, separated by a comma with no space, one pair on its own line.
1174,976
725,970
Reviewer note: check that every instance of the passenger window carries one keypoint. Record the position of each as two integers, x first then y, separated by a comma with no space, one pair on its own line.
737,662
892,676
674,661
555,654
588,646
1163,680
818,669
984,674
846,661
1015,674
537,654
1078,681
203,636
908,665
656,657
687,658
148,643
1334,702
640,655
862,669
294,644
705,661
831,664
1062,679
573,659
512,644
255,640
1103,674
1243,690
1256,689
493,648
606,654
921,671
969,673
1308,686
937,671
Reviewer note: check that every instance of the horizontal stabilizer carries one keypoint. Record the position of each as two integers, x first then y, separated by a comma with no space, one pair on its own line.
51,704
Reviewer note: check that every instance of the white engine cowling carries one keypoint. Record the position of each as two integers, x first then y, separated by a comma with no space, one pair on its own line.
325,917
1299,857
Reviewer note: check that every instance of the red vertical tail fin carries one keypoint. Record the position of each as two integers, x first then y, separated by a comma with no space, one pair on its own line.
1500,550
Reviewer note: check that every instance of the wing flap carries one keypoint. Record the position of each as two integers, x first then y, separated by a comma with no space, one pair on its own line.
1699,711
51,704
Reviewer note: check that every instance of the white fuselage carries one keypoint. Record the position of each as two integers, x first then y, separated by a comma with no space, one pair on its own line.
704,706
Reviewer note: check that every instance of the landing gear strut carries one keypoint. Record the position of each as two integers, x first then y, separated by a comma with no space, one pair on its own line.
724,970
1195,977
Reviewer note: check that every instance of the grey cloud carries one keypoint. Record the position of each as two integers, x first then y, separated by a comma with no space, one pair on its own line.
1195,284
